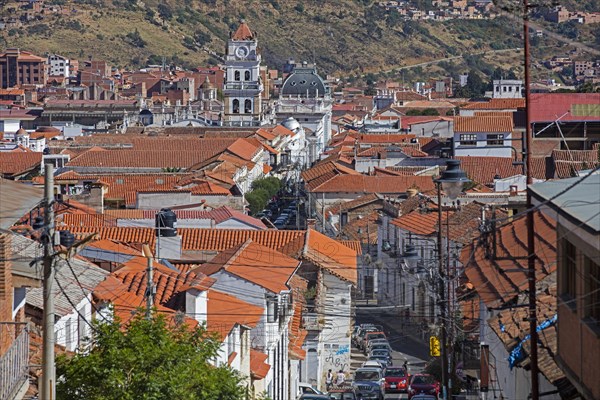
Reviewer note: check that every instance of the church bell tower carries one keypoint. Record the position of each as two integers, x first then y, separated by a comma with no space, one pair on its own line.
243,87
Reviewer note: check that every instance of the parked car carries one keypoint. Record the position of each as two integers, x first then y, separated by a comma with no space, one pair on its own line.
314,397
374,342
343,393
396,379
369,383
423,384
308,389
371,336
380,346
381,355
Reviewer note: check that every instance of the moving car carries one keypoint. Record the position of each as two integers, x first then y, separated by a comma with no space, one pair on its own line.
423,384
396,379
380,346
372,336
369,383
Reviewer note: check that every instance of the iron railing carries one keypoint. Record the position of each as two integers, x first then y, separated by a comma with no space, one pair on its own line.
14,366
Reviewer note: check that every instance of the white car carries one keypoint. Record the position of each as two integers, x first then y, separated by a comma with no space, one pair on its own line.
307,388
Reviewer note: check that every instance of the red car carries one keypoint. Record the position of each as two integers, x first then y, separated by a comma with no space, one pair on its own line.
396,380
423,384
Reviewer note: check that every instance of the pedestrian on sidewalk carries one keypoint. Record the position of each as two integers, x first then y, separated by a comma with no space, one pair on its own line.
329,380
340,378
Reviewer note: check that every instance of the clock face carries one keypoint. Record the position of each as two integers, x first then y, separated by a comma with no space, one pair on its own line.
242,52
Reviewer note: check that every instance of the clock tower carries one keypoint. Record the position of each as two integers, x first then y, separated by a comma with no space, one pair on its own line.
243,87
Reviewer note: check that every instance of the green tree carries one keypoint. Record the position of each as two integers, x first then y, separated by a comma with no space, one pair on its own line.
257,200
270,185
147,359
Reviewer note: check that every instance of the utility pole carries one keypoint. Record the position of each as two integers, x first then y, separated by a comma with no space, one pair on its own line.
48,368
533,354
149,281
442,297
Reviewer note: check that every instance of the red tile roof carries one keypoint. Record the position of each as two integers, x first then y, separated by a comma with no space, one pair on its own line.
225,311
129,159
331,255
483,169
168,282
373,184
245,148
499,281
14,164
255,263
243,32
390,138
483,124
417,222
258,367
496,104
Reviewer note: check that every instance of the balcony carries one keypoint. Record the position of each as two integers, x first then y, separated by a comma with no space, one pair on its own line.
312,322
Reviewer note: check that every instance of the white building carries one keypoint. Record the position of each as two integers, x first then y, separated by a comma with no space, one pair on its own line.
58,66
305,97
484,136
507,89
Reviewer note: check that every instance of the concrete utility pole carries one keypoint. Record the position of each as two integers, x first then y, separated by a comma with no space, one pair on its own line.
48,368
531,257
149,281
442,297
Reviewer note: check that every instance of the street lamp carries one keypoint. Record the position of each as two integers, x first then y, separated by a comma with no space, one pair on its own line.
451,181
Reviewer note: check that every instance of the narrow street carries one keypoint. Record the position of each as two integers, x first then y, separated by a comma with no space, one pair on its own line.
405,342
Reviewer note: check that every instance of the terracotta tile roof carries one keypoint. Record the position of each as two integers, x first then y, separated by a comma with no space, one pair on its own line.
373,184
417,222
265,134
255,263
493,113
167,281
281,130
407,121
130,159
499,281
356,203
390,138
510,326
409,96
367,226
331,255
409,150
568,163
245,148
496,104
225,311
329,168
297,335
483,169
125,303
85,220
483,124
14,164
258,367
352,244
243,32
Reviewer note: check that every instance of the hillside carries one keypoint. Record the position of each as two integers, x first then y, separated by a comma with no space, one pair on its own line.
340,35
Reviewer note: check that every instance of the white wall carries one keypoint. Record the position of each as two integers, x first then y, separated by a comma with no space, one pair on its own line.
72,329
481,148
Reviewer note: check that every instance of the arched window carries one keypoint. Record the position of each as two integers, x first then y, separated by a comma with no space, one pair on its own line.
248,107
236,75
236,106
247,75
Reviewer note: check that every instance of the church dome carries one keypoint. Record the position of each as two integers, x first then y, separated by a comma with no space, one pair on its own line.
304,82
291,123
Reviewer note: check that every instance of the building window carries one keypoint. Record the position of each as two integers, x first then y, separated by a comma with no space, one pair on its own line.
591,293
248,107
510,88
569,274
236,106
236,75
247,75
468,139
495,140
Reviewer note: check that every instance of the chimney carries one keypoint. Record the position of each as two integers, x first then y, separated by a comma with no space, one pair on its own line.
514,190
311,223
412,192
